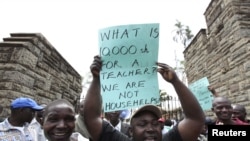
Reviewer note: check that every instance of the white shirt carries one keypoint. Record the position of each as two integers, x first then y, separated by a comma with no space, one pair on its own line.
118,126
39,134
14,133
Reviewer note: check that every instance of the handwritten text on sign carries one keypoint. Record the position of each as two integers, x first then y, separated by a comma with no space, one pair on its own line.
201,92
128,75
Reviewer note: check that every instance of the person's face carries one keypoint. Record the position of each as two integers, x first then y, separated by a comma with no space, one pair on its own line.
146,127
113,116
39,116
223,110
27,114
59,122
238,113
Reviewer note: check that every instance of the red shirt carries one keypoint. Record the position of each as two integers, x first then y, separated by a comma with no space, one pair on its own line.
239,122
235,120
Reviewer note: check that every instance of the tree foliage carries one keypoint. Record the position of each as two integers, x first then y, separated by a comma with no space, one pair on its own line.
183,34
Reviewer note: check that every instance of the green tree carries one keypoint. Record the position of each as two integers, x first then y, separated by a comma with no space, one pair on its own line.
183,34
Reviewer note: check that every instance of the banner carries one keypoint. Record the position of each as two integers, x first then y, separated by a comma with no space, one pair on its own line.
129,73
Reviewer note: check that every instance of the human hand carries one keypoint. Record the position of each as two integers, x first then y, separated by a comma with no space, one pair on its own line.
167,72
96,66
212,90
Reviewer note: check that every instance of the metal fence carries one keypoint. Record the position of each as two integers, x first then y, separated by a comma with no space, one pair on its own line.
170,106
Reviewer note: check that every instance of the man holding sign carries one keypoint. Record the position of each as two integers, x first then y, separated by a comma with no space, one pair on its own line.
128,75
144,123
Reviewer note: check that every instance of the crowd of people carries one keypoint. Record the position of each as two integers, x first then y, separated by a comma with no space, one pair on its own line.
58,121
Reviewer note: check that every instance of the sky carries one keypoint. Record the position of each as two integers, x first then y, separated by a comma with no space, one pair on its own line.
71,26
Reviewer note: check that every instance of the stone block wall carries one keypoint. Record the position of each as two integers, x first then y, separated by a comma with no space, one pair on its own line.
222,51
31,67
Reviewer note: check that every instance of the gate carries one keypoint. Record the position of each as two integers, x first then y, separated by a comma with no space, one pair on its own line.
170,106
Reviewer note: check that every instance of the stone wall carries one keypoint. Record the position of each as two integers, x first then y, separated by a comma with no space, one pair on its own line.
222,51
31,67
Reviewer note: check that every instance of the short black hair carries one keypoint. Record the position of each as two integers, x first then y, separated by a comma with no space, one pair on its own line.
168,122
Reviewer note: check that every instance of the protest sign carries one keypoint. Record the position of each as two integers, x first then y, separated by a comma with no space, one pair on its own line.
201,92
129,73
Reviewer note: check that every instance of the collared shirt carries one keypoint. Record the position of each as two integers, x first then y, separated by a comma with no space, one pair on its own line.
13,133
118,126
122,127
166,129
39,134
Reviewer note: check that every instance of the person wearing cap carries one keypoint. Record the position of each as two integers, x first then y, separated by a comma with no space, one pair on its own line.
125,115
144,122
15,127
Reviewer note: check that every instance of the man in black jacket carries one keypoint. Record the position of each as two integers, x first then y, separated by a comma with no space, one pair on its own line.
114,119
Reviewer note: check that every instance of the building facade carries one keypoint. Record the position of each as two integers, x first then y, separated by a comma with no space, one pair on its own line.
222,51
31,67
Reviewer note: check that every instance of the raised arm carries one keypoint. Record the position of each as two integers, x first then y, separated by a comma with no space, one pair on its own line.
191,126
93,102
